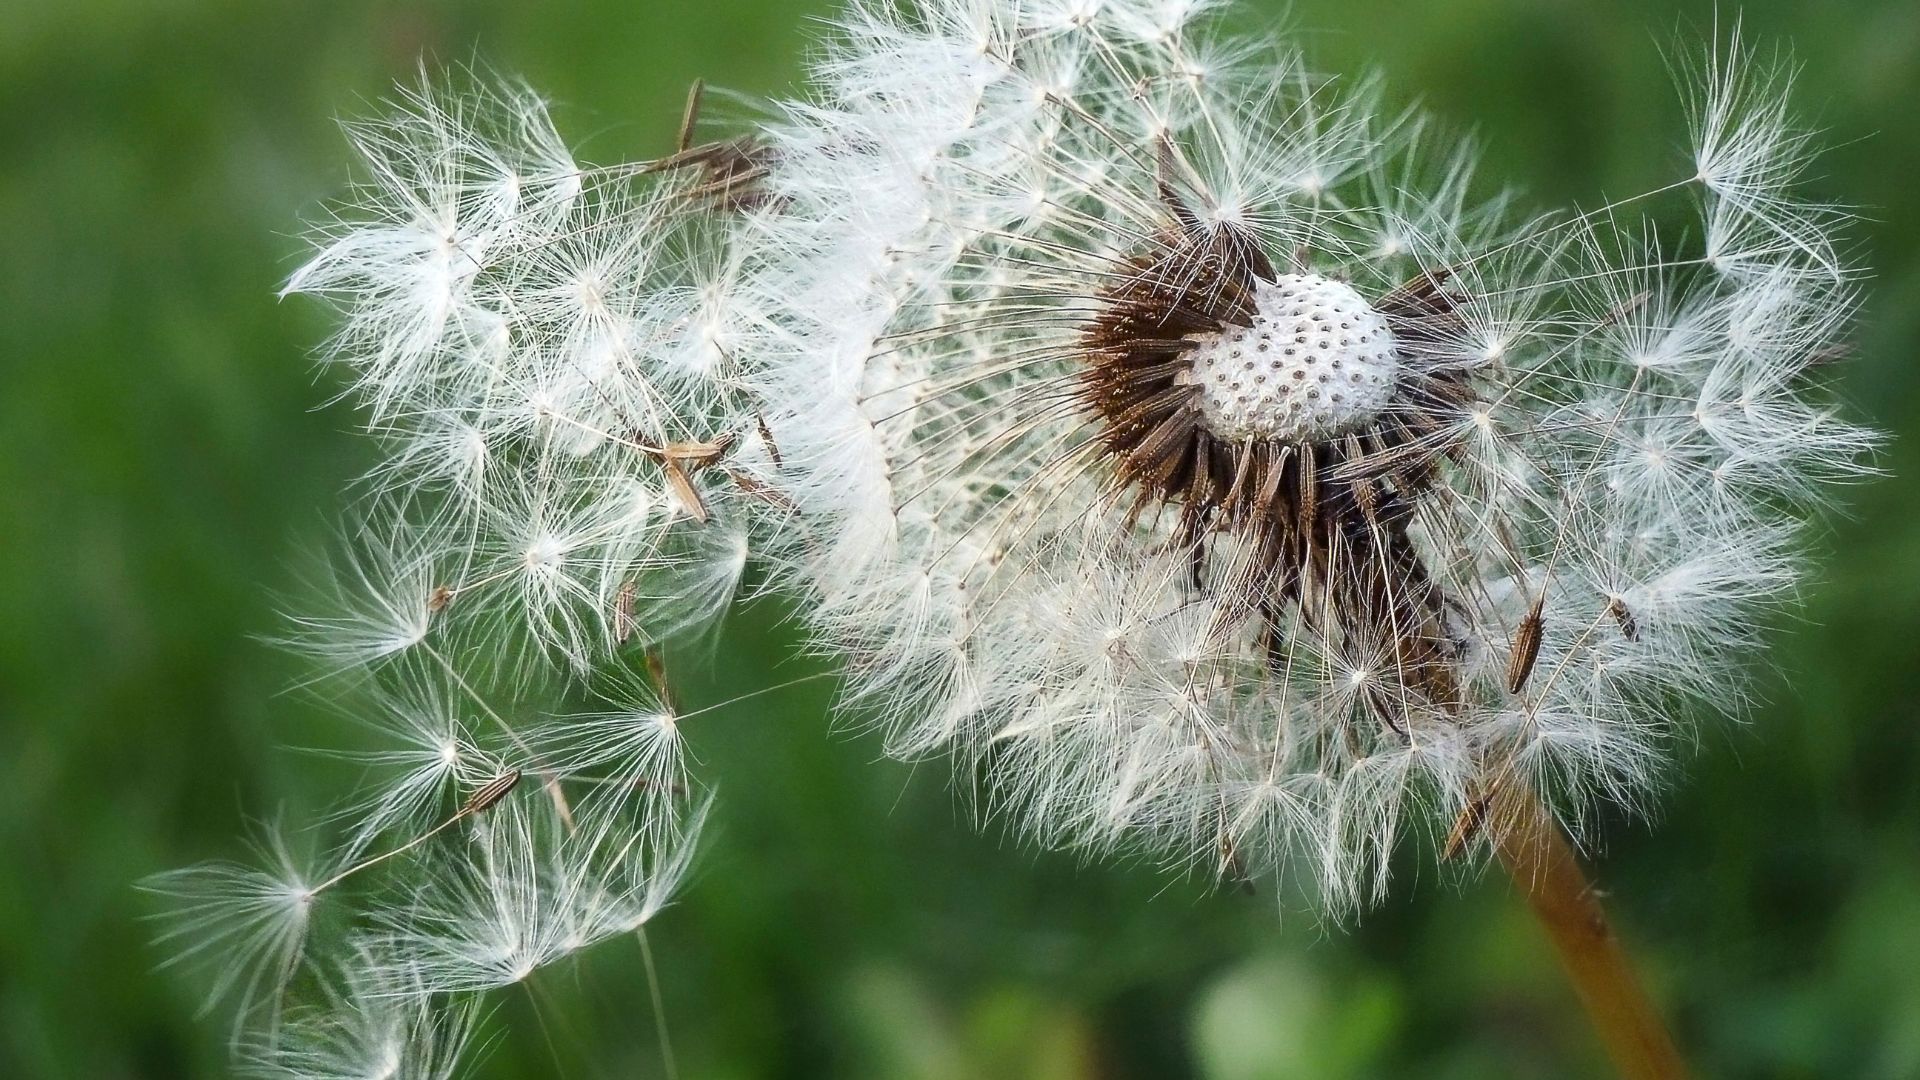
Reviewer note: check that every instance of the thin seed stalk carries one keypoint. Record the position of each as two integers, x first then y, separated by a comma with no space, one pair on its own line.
1538,856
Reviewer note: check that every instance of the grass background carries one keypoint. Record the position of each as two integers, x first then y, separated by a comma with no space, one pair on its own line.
164,456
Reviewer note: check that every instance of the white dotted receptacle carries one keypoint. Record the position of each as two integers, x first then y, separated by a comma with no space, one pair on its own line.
1317,361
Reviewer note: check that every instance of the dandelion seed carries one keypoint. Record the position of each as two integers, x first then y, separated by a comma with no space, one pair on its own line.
374,1023
428,751
534,892
247,926
385,594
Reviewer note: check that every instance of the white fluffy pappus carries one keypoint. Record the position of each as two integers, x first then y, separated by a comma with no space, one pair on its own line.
374,1021
540,350
1035,267
459,873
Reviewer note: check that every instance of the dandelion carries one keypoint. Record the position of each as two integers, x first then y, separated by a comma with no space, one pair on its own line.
1131,453
541,350
1179,442
1169,433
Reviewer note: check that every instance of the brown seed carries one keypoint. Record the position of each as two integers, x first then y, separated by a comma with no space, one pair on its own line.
766,438
624,623
1233,868
768,494
1237,490
690,119
440,600
1526,646
1309,509
1275,464
1367,496
489,796
657,671
1467,826
1622,614
683,489
694,456
682,461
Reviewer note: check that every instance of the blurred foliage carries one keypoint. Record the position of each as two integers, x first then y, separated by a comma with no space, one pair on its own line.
164,459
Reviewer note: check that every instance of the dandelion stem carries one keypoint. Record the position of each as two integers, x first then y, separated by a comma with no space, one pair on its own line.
659,1007
369,864
482,801
1537,854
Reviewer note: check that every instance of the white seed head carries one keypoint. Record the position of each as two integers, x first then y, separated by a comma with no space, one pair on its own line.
1080,500
1317,361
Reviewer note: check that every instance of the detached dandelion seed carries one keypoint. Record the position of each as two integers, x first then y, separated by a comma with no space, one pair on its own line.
373,1022
246,925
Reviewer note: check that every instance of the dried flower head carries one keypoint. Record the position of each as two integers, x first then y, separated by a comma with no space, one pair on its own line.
1184,444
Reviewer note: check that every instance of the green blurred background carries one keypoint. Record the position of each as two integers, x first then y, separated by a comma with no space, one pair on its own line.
164,460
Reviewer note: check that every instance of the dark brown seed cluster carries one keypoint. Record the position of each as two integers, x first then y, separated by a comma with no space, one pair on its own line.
730,174
1326,521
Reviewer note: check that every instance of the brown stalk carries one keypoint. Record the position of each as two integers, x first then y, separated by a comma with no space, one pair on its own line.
1536,853
1331,519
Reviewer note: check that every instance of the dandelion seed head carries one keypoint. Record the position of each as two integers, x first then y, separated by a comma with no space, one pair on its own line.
1074,510
1315,361
526,337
